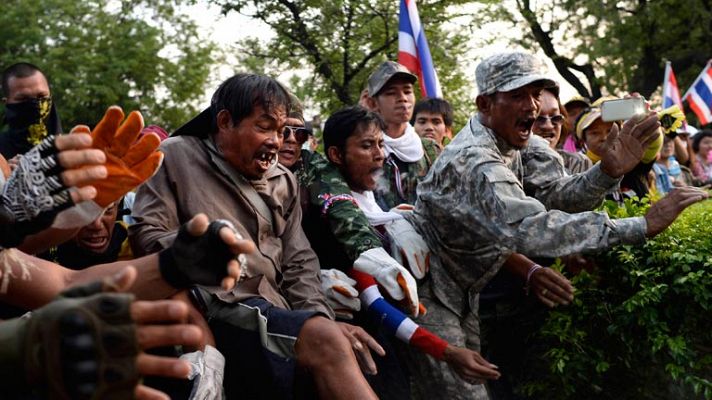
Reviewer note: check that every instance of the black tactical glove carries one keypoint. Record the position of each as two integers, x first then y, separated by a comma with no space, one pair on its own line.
197,260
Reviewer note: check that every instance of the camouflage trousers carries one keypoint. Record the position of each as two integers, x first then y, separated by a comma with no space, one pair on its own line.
434,379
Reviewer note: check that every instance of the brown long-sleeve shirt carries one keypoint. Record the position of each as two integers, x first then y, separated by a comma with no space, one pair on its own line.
194,178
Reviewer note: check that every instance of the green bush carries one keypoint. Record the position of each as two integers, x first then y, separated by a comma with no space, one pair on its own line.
640,326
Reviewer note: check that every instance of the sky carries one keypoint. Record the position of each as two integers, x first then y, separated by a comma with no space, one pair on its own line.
226,30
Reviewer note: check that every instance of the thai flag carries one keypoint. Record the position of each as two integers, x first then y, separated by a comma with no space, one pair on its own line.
413,51
671,94
699,95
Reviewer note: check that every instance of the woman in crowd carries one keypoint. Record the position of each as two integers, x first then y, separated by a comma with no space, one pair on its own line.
702,146
593,131
551,125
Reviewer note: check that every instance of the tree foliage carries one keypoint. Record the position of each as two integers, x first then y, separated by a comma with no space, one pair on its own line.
640,325
336,44
616,45
137,54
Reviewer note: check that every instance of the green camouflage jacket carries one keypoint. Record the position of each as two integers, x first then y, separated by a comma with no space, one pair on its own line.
330,206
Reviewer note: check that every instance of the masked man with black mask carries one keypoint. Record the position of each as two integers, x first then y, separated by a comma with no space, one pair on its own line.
30,115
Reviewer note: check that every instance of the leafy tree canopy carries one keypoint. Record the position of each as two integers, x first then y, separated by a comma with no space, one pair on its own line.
137,54
338,44
617,45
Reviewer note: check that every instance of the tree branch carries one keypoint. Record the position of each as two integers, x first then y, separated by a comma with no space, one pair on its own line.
563,64
345,42
373,53
304,39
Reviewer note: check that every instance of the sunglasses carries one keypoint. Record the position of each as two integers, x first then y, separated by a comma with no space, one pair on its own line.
556,120
301,134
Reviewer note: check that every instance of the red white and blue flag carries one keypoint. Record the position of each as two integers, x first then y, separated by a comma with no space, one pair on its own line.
671,93
413,50
699,95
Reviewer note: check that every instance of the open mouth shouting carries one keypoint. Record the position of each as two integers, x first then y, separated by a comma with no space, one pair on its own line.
265,160
524,127
96,243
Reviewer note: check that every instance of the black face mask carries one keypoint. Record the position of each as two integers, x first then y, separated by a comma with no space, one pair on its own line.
26,113
29,122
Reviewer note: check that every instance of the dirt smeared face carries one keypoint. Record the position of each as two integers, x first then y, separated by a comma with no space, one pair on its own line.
252,145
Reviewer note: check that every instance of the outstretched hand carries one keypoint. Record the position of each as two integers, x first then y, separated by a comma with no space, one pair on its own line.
551,288
205,253
129,163
470,365
152,331
393,277
664,212
90,341
409,248
363,344
340,293
625,146
39,186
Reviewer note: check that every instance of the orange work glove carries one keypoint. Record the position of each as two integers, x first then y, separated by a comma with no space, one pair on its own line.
129,163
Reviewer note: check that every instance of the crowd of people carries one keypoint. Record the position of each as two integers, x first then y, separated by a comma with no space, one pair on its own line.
234,260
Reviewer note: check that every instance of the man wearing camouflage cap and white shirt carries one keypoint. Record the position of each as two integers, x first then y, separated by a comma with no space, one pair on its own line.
473,211
408,157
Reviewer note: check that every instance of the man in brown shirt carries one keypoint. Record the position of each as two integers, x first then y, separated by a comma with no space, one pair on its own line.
224,163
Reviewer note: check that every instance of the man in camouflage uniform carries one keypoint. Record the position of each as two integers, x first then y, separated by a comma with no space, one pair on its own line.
325,194
409,157
473,211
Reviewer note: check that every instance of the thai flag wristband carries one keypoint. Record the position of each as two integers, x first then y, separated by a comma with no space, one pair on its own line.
393,320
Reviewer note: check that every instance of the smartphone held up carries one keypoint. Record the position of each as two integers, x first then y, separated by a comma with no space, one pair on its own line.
622,109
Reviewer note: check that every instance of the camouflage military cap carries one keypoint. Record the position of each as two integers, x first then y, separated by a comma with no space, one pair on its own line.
384,73
508,71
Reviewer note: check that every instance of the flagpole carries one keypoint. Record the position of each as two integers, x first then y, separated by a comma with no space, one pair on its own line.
666,80
668,66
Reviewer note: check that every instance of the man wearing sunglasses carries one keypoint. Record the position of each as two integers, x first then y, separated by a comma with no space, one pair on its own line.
295,135
291,154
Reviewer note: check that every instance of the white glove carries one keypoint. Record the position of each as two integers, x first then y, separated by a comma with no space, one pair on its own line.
206,371
409,248
340,293
397,281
